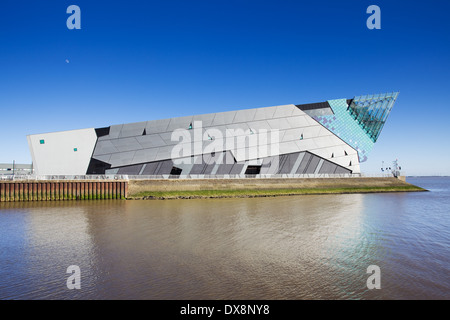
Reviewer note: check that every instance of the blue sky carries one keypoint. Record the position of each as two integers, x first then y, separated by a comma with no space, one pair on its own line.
143,60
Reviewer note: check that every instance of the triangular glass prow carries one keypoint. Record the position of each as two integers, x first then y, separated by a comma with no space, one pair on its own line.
371,112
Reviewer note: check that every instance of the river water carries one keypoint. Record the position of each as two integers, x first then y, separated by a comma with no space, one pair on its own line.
296,247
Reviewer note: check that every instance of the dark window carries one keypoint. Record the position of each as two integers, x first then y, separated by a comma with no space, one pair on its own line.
253,170
175,171
102,132
312,106
97,167
144,133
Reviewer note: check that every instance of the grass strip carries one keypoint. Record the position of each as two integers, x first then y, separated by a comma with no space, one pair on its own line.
250,193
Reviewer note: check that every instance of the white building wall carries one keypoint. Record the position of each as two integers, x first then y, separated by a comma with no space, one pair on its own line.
62,153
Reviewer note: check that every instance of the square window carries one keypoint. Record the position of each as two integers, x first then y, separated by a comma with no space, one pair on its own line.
42,141
75,149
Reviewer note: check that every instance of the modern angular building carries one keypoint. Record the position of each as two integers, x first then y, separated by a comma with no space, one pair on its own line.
331,137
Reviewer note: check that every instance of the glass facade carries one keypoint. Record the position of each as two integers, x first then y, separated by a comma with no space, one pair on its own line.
371,112
359,123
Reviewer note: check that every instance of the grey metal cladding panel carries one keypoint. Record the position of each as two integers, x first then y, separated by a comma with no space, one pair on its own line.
340,170
266,165
244,115
164,153
206,119
198,168
112,171
264,113
150,168
289,162
114,132
271,165
209,168
132,129
279,123
224,168
266,162
292,134
282,159
239,126
207,158
157,126
104,147
179,123
288,147
145,155
126,144
279,165
222,118
150,141
237,168
319,166
312,164
259,125
196,159
284,111
304,163
214,130
122,158
274,165
328,167
166,167
297,162
104,158
166,137
325,168
229,158
131,170
298,121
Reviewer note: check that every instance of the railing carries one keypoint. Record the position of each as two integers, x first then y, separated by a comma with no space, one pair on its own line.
191,176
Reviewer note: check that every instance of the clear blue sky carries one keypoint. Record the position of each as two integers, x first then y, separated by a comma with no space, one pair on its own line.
143,60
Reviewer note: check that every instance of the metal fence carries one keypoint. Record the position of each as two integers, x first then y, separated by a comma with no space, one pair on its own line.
189,177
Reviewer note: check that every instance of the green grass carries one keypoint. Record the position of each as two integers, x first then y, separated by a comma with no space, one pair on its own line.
248,193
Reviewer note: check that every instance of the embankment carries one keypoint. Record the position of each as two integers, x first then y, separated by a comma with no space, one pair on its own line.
55,190
226,188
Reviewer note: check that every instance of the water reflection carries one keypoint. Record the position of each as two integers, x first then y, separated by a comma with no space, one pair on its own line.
306,247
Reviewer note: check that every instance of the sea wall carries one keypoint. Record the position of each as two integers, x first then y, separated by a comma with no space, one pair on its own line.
13,191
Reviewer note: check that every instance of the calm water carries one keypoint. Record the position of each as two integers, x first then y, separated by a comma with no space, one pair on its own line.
301,247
